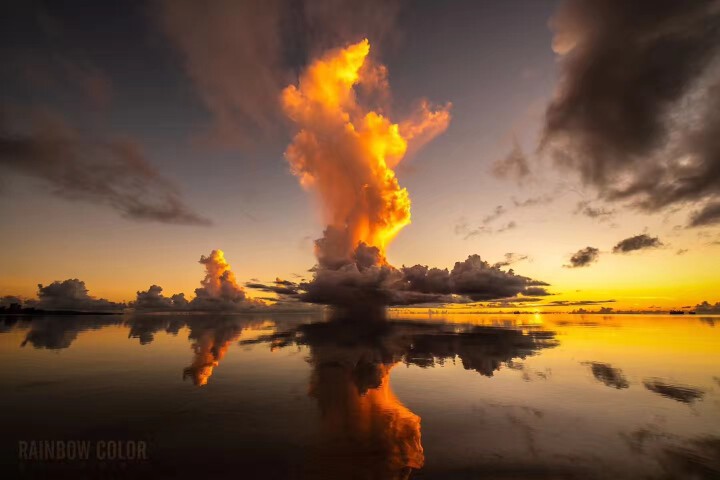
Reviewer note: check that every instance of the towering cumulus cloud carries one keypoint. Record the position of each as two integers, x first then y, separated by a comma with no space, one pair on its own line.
219,290
346,152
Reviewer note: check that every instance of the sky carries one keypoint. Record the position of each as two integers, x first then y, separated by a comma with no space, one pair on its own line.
579,146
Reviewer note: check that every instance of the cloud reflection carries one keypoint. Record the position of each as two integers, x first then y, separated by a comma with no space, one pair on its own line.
367,432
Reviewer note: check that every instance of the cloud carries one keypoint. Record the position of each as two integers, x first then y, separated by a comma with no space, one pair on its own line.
239,55
637,109
7,300
584,207
111,172
513,166
510,258
367,280
153,300
484,229
71,295
567,303
57,333
682,251
497,213
708,215
638,242
280,287
534,201
706,307
607,374
584,257
511,225
345,152
219,289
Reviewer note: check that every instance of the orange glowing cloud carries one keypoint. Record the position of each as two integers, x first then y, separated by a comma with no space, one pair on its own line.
346,152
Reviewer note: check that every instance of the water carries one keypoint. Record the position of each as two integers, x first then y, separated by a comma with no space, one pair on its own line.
466,396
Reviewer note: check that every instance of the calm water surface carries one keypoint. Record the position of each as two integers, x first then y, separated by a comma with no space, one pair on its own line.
467,396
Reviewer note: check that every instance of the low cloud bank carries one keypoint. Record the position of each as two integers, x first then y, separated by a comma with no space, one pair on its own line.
368,278
70,295
709,308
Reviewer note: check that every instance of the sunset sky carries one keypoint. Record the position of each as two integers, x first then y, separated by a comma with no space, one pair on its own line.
189,93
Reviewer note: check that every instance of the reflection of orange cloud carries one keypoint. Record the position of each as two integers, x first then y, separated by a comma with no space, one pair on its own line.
208,353
369,431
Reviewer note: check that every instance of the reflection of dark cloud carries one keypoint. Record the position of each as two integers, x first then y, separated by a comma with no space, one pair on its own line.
681,458
144,328
696,459
366,431
57,332
607,374
681,393
483,349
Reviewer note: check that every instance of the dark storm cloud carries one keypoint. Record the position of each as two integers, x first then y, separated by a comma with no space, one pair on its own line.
637,109
70,294
708,215
111,172
239,55
607,374
366,280
638,242
680,393
584,257
513,166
